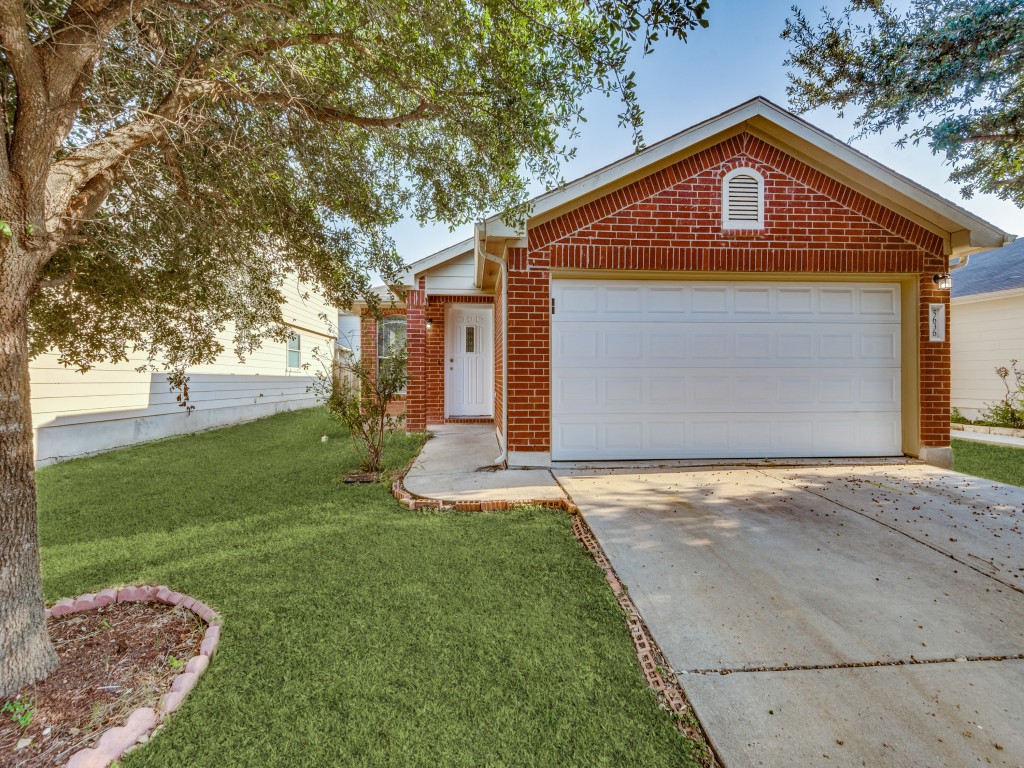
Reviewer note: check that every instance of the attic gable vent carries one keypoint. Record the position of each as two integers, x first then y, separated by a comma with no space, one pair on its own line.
743,200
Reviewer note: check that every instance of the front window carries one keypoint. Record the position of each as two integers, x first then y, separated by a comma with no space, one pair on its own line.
390,334
295,351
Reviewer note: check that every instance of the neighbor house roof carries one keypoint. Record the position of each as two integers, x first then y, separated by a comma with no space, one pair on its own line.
991,272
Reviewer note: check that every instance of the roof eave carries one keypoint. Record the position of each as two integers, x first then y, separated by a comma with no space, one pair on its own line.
962,232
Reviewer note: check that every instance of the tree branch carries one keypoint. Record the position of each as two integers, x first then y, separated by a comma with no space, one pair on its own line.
29,77
56,282
30,84
424,110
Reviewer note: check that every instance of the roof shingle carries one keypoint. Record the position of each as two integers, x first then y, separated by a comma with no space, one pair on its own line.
1001,269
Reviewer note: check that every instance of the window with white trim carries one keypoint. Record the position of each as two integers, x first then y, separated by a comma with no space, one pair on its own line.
390,332
294,351
743,199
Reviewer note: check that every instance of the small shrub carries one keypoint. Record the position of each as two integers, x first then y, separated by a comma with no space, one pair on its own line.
955,417
359,398
1008,412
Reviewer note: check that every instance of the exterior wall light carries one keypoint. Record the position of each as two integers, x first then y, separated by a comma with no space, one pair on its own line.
942,281
430,321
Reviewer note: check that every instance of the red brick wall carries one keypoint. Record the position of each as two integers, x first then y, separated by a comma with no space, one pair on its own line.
671,220
529,379
935,371
416,394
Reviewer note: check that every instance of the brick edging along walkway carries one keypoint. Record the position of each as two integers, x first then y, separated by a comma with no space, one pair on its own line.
653,663
115,741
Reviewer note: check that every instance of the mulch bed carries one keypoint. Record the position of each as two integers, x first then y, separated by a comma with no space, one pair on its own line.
362,477
113,660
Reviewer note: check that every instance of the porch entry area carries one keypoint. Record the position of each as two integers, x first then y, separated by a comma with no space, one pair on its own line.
469,361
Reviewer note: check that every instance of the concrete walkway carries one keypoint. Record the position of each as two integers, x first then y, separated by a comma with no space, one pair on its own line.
828,615
460,463
984,437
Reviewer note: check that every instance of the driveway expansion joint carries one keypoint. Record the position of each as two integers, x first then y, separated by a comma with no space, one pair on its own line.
853,665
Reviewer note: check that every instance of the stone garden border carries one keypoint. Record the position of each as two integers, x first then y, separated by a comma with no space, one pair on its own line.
653,663
117,740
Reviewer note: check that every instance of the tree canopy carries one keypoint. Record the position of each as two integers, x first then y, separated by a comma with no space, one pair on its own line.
168,160
948,72
166,163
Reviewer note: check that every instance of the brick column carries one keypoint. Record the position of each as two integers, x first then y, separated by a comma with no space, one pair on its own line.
368,335
416,340
935,376
528,354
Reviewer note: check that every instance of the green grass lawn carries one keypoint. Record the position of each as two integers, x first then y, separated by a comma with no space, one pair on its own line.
356,633
995,462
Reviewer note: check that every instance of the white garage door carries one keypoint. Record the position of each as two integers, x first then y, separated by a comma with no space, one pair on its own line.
662,370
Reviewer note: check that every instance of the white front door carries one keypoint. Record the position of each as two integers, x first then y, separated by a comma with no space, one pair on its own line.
469,360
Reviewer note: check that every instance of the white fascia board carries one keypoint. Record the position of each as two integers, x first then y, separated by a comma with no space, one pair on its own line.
983,234
408,277
945,215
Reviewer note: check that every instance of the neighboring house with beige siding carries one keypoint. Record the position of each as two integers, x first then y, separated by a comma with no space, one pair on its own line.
115,405
986,326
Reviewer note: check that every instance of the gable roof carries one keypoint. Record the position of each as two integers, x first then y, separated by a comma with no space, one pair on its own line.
961,231
991,272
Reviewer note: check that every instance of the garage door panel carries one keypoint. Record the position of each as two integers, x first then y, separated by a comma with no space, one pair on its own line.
702,390
729,302
648,369
726,436
739,345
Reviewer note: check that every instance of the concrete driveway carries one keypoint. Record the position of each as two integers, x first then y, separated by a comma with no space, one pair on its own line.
840,615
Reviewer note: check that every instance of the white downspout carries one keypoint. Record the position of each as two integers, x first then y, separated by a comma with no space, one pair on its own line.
503,267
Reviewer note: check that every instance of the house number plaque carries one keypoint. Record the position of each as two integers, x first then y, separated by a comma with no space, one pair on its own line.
936,322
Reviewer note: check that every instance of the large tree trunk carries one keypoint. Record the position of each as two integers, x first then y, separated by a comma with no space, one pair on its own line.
26,654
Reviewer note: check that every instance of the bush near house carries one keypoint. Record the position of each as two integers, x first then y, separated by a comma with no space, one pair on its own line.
1008,412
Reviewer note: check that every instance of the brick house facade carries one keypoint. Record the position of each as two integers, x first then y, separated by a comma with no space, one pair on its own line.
659,216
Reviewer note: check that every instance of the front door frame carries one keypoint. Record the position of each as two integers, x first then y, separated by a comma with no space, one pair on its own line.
488,335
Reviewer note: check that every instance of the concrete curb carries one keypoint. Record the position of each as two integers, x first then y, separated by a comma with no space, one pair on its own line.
412,501
1005,431
140,724
653,663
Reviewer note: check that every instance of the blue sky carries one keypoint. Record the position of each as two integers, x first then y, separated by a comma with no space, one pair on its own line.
738,57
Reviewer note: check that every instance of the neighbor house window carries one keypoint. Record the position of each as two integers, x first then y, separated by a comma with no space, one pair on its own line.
743,199
295,351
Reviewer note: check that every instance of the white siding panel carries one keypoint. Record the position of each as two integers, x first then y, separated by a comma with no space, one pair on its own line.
984,335
114,405
655,370
453,277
